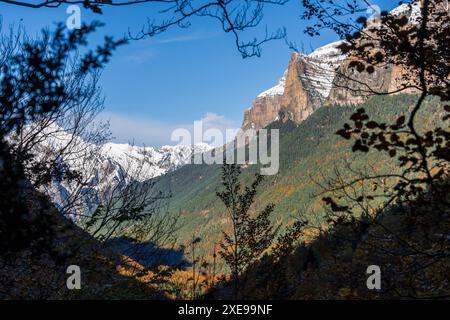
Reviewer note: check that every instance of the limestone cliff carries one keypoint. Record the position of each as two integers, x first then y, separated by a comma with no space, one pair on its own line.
353,87
353,84
264,110
303,88
325,76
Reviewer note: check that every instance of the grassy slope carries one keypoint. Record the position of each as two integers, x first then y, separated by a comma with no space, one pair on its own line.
308,150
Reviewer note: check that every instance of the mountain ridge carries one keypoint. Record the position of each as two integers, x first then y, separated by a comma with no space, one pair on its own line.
303,88
105,168
323,77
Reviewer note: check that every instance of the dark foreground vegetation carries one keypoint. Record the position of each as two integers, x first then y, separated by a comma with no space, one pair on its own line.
394,214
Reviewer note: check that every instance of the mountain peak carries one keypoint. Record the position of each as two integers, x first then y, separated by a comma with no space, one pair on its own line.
310,82
107,167
304,87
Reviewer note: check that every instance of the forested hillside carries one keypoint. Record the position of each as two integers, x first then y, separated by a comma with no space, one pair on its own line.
311,153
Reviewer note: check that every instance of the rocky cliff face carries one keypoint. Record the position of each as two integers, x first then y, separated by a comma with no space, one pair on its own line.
325,76
299,98
303,88
264,109
351,86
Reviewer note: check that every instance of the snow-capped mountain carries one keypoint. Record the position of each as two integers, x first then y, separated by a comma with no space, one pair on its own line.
101,169
154,161
304,87
320,70
321,67
310,82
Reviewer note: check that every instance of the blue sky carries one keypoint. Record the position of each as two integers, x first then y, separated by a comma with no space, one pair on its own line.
156,85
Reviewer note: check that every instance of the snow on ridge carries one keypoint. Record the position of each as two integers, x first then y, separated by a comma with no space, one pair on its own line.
413,9
321,65
121,153
276,90
323,61
328,51
106,167
155,161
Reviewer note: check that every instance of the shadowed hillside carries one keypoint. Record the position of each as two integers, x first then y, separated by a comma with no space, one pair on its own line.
40,273
334,264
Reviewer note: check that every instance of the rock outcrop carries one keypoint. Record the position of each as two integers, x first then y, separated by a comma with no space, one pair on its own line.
262,112
354,87
353,84
303,88
326,77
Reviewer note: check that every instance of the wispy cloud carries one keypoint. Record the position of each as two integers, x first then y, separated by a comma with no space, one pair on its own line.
140,56
185,38
143,50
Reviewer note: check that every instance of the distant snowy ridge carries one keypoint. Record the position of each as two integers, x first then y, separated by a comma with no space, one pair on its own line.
155,161
105,168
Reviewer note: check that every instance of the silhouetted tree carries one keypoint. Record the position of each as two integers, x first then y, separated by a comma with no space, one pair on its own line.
414,42
65,145
233,16
32,85
251,235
